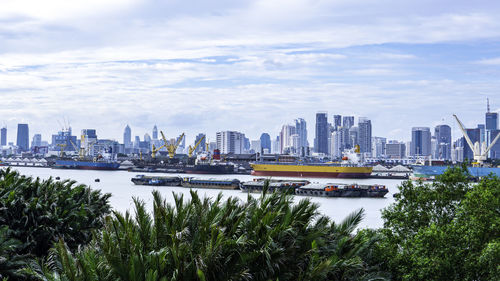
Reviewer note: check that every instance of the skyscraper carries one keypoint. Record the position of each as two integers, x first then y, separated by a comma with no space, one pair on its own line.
365,135
301,130
491,119
348,122
3,136
37,141
155,133
442,133
420,141
127,137
337,122
23,139
321,139
265,142
285,136
230,142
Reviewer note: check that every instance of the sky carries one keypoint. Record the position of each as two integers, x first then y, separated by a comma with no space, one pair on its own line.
249,66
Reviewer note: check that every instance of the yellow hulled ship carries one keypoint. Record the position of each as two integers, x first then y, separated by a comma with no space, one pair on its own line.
311,170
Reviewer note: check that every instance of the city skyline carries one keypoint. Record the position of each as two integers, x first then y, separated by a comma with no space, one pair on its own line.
205,67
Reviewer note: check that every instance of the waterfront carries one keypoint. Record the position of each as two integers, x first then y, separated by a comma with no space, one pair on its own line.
118,183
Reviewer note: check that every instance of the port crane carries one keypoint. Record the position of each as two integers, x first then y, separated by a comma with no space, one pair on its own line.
480,155
171,148
62,146
192,149
154,150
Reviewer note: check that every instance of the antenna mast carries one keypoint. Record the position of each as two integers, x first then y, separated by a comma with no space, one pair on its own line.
488,105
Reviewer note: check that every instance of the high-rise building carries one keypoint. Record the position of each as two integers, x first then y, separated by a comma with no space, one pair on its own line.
155,133
348,122
337,122
301,130
89,137
379,147
127,137
395,150
230,142
64,140
37,141
147,137
442,133
285,136
265,142
491,120
23,139
420,141
337,145
3,136
321,139
276,149
353,136
495,150
365,135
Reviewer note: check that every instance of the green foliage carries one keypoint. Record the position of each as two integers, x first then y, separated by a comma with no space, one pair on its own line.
447,230
10,262
268,238
39,212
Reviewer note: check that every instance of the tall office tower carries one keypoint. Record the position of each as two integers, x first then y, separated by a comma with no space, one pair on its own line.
482,132
474,136
203,144
37,141
301,130
321,139
337,122
276,145
230,142
285,136
365,135
127,137
23,139
3,136
353,136
336,143
495,150
491,119
147,137
89,137
348,122
395,150
378,147
265,142
442,133
155,133
420,141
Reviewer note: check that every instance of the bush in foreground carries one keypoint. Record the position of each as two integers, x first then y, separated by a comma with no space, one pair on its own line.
35,213
268,238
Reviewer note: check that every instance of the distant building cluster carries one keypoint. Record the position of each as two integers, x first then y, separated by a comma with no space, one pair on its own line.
331,140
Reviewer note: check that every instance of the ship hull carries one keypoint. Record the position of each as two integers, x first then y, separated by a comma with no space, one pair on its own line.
86,165
315,171
210,169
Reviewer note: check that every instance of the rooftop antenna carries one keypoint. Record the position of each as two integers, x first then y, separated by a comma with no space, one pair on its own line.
488,105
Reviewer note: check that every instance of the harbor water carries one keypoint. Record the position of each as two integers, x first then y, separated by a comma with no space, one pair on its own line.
118,183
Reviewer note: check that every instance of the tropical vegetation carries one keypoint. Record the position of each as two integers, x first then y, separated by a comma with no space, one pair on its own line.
58,230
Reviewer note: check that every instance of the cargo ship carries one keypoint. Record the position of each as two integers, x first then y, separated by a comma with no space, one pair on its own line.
206,163
85,165
211,183
349,167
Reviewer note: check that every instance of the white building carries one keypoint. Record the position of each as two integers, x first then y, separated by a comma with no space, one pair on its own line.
230,142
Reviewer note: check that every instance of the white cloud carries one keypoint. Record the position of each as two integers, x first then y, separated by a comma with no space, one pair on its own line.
492,61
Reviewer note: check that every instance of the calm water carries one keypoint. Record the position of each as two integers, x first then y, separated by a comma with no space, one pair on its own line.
122,189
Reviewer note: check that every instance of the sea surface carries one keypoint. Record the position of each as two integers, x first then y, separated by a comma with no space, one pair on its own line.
118,183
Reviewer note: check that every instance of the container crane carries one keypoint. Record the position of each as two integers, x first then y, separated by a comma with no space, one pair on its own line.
171,148
192,149
480,155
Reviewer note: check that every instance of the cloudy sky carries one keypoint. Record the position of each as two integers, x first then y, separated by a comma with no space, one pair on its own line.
251,66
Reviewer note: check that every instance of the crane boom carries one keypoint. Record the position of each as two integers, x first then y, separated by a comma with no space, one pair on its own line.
192,149
491,144
171,148
469,142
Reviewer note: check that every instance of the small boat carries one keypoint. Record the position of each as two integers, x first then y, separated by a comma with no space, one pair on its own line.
58,178
97,180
